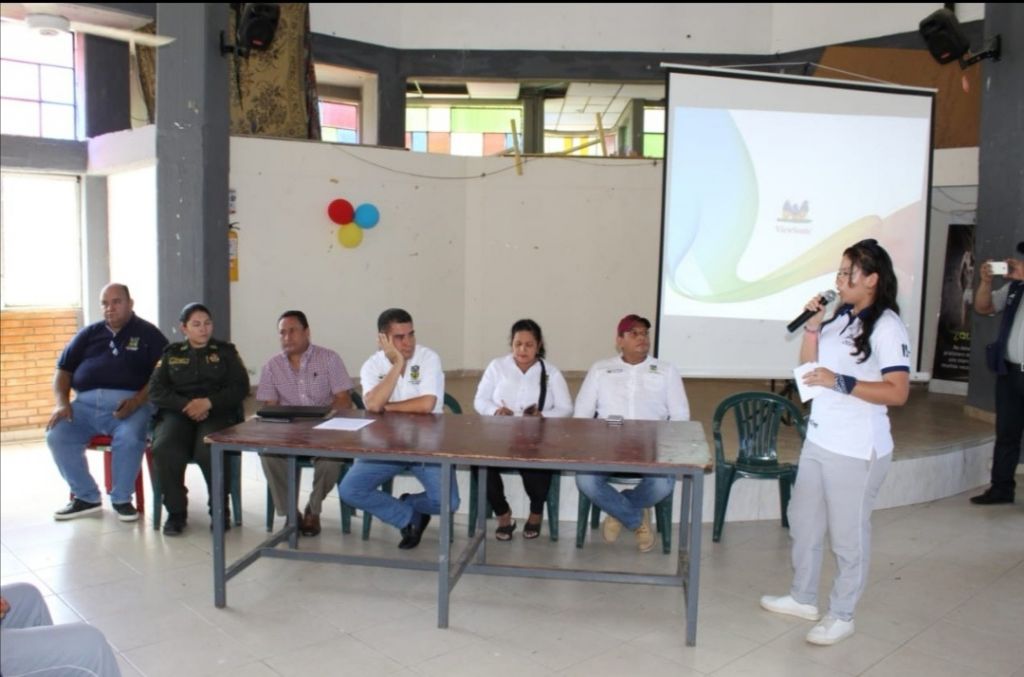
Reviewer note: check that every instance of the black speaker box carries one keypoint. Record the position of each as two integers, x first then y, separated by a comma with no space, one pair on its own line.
945,39
257,25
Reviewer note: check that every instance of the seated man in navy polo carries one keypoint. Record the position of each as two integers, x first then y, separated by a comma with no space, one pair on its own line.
108,364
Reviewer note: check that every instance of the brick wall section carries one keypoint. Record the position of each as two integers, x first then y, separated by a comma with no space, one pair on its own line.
30,342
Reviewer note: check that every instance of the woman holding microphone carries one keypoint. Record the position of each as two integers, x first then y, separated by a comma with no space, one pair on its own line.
862,356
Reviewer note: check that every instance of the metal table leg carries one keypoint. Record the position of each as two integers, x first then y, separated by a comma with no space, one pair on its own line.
444,547
217,497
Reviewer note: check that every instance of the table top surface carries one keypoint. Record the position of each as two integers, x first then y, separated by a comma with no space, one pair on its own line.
487,440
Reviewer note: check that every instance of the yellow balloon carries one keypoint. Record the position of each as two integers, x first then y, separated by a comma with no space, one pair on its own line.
350,235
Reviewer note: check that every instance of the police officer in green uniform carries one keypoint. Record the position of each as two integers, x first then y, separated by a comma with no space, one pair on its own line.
198,386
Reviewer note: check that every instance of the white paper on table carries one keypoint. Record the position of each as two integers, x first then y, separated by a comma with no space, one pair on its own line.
807,392
348,424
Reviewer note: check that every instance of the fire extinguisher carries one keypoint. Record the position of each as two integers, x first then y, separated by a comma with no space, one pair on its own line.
233,251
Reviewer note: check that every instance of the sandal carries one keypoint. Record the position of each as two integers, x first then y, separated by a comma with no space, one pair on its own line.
505,533
531,530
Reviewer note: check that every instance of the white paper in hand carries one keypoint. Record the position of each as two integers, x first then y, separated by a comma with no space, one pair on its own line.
807,392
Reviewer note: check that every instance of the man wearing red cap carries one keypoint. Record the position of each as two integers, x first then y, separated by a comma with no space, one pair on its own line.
636,386
1006,358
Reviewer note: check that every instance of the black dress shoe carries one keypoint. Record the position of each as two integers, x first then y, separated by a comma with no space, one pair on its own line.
992,497
413,531
175,524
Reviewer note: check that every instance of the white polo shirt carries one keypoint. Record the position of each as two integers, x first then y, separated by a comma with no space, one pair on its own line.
423,376
649,391
505,385
845,424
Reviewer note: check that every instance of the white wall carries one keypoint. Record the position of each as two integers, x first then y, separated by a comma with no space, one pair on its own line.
289,257
726,28
131,228
572,244
800,26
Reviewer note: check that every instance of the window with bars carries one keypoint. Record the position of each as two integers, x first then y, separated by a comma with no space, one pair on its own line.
37,83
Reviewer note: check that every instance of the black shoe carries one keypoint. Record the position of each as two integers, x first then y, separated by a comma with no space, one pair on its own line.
77,508
175,524
413,531
992,497
126,512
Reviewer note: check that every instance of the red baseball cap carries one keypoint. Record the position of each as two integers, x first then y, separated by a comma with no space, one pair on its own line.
627,323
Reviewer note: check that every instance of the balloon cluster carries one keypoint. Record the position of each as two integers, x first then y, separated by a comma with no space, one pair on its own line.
353,220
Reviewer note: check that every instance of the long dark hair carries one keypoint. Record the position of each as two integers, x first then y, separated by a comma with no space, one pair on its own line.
870,257
533,328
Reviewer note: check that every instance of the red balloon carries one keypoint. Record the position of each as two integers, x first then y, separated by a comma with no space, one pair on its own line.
341,211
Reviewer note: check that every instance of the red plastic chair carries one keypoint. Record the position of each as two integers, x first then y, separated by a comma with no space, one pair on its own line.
102,443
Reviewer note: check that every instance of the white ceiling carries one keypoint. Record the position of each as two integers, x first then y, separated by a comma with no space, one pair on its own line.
584,101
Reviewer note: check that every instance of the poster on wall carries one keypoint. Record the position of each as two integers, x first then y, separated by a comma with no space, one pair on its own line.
953,341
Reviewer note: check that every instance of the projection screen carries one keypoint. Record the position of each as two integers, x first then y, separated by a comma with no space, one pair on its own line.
768,179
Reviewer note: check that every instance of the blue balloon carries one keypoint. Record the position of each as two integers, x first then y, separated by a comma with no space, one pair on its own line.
366,216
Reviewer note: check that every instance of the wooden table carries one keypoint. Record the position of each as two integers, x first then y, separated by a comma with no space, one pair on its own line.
579,445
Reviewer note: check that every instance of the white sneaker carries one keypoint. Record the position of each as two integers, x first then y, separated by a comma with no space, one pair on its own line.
830,630
790,607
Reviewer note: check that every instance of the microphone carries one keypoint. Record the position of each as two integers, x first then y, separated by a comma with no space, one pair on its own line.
826,298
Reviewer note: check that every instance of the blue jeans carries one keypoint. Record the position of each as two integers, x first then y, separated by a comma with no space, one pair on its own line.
359,488
626,506
92,413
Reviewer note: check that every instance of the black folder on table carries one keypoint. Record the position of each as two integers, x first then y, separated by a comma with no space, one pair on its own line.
280,411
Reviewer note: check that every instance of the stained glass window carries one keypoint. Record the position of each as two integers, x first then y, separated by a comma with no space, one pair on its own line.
462,129
339,121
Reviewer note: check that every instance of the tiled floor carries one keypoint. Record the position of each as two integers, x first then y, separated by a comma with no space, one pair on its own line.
946,597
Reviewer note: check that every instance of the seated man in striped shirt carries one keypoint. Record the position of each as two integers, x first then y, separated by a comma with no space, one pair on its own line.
303,374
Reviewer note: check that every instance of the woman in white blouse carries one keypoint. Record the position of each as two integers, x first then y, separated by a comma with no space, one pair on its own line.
522,384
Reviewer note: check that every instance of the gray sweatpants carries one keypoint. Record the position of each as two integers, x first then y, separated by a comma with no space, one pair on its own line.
834,493
326,473
30,644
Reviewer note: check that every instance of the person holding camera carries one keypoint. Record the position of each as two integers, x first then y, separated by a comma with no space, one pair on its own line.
522,384
1006,358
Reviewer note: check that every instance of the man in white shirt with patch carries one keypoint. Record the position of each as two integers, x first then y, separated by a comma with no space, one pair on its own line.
635,386
401,377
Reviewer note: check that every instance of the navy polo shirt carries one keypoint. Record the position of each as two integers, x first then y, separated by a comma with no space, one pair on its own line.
98,358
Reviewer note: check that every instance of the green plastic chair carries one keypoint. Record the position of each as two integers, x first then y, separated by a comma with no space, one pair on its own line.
233,465
307,462
662,514
551,503
347,510
758,416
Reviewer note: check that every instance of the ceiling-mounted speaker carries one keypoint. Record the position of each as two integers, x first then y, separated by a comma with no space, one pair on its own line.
945,39
257,25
